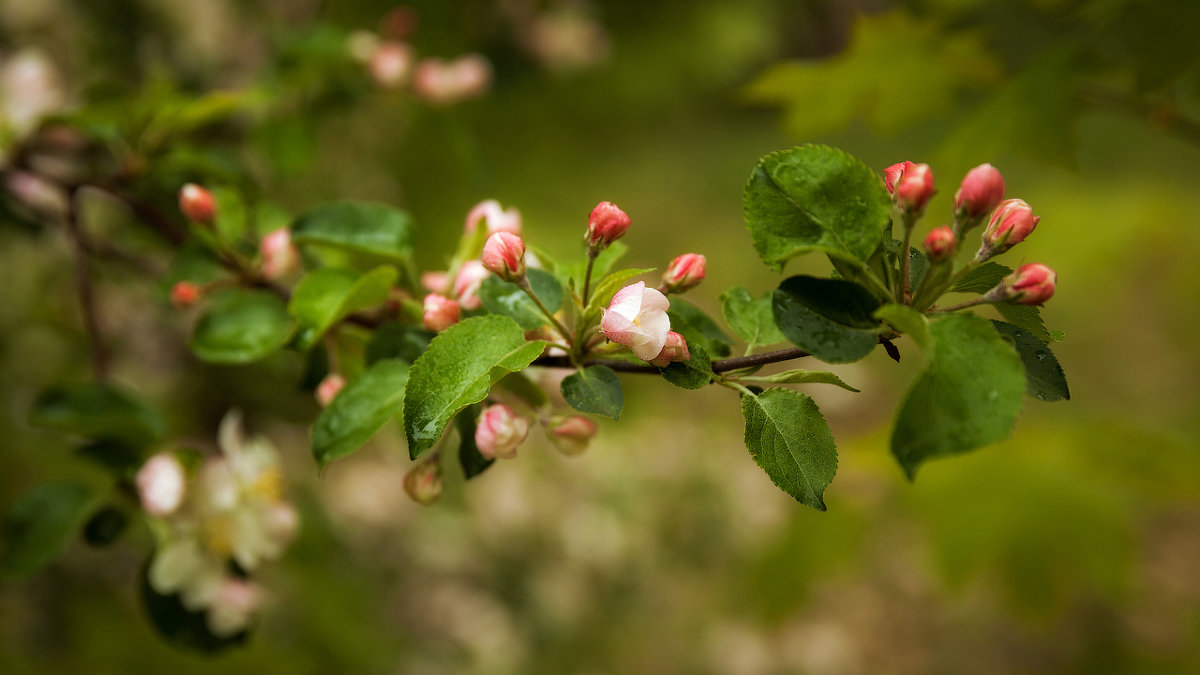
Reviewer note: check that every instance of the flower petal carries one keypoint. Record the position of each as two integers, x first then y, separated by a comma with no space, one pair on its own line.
628,301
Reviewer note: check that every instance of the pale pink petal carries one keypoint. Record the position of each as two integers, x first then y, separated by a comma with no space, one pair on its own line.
628,301
654,300
618,328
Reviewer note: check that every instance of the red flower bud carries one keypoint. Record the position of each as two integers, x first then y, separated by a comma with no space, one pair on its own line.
185,294
1031,284
197,204
329,388
571,434
891,175
981,190
440,312
279,257
675,349
500,431
683,273
504,255
939,244
606,225
1011,222
914,187
423,482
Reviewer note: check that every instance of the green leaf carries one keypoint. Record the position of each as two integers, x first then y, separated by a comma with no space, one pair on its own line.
115,456
38,526
470,459
524,389
603,292
325,296
231,221
1028,317
788,438
503,297
241,326
105,526
694,373
179,625
750,319
981,279
594,389
801,376
698,327
600,269
968,395
830,318
359,410
814,198
99,412
1044,377
364,227
459,368
395,340
906,320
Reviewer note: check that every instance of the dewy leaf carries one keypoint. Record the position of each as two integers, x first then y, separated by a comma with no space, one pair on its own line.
1027,317
325,296
751,319
787,436
814,198
459,368
801,376
502,297
359,410
1044,378
242,326
694,373
906,320
470,459
594,389
697,326
357,226
38,526
981,279
968,395
100,412
830,318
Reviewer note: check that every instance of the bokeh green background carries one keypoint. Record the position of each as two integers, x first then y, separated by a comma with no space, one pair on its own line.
1072,547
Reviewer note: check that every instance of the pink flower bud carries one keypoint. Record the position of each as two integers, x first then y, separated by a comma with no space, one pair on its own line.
684,272
939,244
233,606
466,284
390,64
504,255
279,257
442,83
1011,222
496,218
161,484
980,192
197,204
571,435
675,349
914,188
329,388
435,282
185,294
423,482
500,431
440,312
606,225
1031,284
637,318
892,174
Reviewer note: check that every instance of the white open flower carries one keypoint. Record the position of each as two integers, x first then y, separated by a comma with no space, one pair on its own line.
637,318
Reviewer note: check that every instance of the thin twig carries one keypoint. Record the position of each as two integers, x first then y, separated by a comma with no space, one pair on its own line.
86,291
720,366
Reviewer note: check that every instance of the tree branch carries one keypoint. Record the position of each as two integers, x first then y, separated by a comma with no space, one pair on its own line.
85,289
720,366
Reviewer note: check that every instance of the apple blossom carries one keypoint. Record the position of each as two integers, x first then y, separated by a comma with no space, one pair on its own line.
500,431
440,312
1031,284
684,273
279,257
572,434
423,482
675,349
495,218
331,385
443,83
233,606
198,204
391,63
939,244
637,318
913,187
161,484
185,294
466,284
1011,222
981,190
606,224
504,255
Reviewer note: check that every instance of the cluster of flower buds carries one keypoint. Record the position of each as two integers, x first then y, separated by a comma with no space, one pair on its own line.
447,82
500,431
231,511
684,273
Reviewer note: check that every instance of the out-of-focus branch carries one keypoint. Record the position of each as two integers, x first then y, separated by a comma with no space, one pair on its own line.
1163,116
720,366
85,289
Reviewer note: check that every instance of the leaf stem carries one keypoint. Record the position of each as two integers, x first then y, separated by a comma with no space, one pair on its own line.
905,291
587,276
562,330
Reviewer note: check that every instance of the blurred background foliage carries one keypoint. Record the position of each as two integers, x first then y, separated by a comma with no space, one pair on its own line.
1073,547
